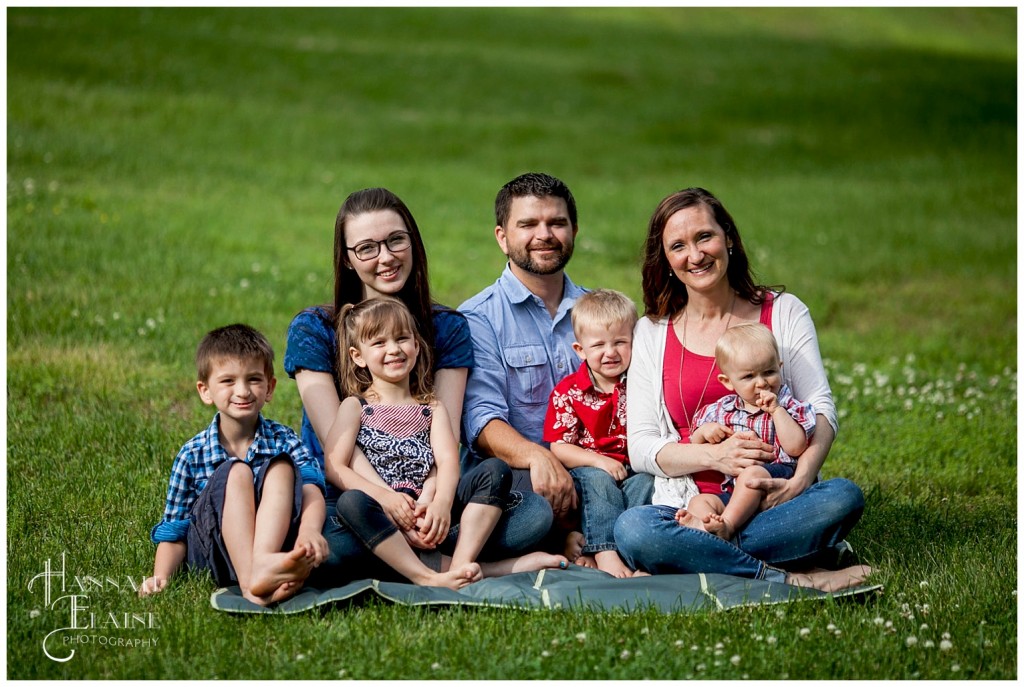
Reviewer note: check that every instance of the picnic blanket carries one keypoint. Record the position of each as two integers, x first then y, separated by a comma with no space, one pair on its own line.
577,588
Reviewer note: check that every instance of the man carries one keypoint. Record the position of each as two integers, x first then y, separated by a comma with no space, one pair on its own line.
522,337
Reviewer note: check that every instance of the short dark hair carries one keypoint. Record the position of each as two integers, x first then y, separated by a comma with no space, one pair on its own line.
236,341
533,184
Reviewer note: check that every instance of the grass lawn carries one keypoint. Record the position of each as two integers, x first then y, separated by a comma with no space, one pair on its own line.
170,171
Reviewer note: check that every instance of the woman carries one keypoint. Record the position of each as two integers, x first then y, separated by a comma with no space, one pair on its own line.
697,282
378,250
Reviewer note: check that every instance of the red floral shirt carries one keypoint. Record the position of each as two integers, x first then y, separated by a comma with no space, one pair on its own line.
582,415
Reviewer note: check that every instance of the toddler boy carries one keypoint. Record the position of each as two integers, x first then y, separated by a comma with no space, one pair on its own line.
245,499
586,424
748,357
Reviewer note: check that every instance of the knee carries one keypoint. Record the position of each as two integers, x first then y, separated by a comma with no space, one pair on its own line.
841,498
594,480
751,473
495,474
352,503
240,474
629,530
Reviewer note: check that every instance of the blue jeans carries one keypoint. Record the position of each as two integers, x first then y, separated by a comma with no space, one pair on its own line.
603,500
791,535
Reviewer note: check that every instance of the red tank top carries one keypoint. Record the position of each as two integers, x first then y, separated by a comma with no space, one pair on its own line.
683,382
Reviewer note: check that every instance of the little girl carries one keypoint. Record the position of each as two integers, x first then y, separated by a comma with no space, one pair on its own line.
390,413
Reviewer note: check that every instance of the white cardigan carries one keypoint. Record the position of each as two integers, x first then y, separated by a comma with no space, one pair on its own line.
648,425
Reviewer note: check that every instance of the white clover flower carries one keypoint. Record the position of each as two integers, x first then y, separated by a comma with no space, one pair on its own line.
911,640
256,267
804,631
679,643
151,323
719,645
771,639
701,666
625,654
115,316
645,630
554,642
435,666
581,636
955,667
300,657
545,654
946,635
879,621
924,627
945,645
243,284
342,672
830,627
735,660
34,613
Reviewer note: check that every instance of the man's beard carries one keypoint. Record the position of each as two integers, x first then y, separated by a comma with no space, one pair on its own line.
523,259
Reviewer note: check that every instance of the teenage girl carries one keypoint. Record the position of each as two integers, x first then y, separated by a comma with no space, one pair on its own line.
391,413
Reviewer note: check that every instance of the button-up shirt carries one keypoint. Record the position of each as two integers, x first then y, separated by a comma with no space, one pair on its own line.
582,415
520,352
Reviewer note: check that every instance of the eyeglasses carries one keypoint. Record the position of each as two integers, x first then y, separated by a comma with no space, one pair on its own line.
368,250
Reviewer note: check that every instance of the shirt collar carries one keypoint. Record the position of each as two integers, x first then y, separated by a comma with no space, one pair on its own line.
262,442
518,293
585,382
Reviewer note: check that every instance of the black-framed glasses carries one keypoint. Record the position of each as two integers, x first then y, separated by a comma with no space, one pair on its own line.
368,250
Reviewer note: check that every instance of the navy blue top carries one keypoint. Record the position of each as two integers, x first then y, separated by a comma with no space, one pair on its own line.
313,345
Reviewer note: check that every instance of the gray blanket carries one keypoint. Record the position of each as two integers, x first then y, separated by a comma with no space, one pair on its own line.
576,588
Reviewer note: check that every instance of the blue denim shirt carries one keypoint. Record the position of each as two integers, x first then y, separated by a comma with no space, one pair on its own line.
520,352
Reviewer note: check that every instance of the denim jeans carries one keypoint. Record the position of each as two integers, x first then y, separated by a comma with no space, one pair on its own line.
791,535
603,500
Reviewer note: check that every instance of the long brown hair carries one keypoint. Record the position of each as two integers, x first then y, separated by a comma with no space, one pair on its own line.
348,288
664,295
374,317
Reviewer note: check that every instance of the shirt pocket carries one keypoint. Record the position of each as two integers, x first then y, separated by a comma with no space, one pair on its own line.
527,372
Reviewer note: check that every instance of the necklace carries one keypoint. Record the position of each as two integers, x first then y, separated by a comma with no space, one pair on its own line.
711,370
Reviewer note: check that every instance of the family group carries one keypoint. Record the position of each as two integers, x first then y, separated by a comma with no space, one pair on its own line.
541,424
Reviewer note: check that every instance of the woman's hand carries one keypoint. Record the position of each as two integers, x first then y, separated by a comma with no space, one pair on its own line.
740,451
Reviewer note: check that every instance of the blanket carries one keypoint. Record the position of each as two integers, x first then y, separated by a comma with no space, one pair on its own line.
577,588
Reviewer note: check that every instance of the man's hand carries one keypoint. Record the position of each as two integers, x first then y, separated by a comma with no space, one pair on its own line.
552,481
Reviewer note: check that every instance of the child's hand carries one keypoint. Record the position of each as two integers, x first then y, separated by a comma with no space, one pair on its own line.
416,539
710,433
400,508
767,401
613,467
437,518
152,585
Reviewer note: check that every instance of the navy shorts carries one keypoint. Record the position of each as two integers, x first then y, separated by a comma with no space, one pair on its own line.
206,549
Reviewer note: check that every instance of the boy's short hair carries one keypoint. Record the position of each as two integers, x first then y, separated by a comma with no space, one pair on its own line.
603,308
745,335
238,341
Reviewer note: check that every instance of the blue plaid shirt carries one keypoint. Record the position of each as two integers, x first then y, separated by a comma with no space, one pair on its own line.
197,460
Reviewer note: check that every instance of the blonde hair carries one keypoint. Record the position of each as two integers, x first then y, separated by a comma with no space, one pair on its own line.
602,308
749,335
374,317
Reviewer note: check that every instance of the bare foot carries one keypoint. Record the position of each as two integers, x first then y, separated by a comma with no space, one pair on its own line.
687,519
585,560
830,580
270,571
455,578
528,563
719,526
611,563
640,573
574,543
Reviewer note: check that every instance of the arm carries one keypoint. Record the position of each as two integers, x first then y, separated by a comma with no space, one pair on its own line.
549,478
338,452
437,515
572,456
781,490
710,433
169,557
450,389
792,437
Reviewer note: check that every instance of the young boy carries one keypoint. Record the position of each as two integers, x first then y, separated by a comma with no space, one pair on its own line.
586,424
748,357
245,499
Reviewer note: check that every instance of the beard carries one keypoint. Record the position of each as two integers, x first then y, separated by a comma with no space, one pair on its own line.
523,258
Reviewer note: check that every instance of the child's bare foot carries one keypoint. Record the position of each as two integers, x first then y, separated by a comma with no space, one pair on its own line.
640,573
687,519
830,580
528,563
574,543
719,526
585,560
454,578
270,571
611,563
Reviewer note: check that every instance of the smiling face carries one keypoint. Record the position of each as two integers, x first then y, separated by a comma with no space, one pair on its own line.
697,249
751,370
607,350
390,357
238,387
386,273
538,236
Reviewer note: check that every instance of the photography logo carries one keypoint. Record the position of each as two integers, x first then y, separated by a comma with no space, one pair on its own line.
67,597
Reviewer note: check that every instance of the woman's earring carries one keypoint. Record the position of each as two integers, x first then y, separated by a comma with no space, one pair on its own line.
730,250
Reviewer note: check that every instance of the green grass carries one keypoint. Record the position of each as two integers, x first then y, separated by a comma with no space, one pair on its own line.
170,171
